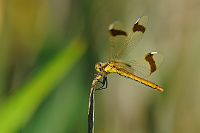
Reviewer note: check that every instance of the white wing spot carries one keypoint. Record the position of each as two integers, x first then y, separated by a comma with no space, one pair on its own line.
154,52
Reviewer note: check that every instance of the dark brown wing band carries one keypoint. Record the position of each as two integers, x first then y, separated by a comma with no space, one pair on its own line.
152,63
138,27
114,32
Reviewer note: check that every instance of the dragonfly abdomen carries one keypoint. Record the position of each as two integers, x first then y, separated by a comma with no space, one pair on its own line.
138,79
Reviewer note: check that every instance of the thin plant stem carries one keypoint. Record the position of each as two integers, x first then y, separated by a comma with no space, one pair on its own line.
92,104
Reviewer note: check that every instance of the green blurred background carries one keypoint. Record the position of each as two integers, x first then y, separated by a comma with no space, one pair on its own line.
48,50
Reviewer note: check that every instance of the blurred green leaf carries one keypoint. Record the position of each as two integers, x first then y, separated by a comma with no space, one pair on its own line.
19,107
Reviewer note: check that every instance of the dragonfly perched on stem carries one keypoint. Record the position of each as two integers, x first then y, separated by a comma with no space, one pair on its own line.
121,44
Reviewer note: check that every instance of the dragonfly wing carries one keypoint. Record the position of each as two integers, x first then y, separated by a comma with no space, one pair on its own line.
132,39
117,37
145,65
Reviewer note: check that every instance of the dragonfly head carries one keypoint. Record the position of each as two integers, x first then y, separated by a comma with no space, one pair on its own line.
98,67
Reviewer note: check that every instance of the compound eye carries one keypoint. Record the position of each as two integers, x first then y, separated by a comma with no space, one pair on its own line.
100,64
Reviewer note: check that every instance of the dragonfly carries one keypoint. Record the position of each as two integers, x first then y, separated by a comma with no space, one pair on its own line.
121,45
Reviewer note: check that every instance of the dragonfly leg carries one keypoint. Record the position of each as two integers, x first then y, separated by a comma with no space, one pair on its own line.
104,83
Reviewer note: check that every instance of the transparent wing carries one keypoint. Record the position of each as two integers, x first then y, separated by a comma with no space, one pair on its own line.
127,43
117,37
143,66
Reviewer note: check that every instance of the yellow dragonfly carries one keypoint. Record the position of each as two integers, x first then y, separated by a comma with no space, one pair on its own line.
121,45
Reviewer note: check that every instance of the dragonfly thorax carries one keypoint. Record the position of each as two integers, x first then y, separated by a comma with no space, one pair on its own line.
106,68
